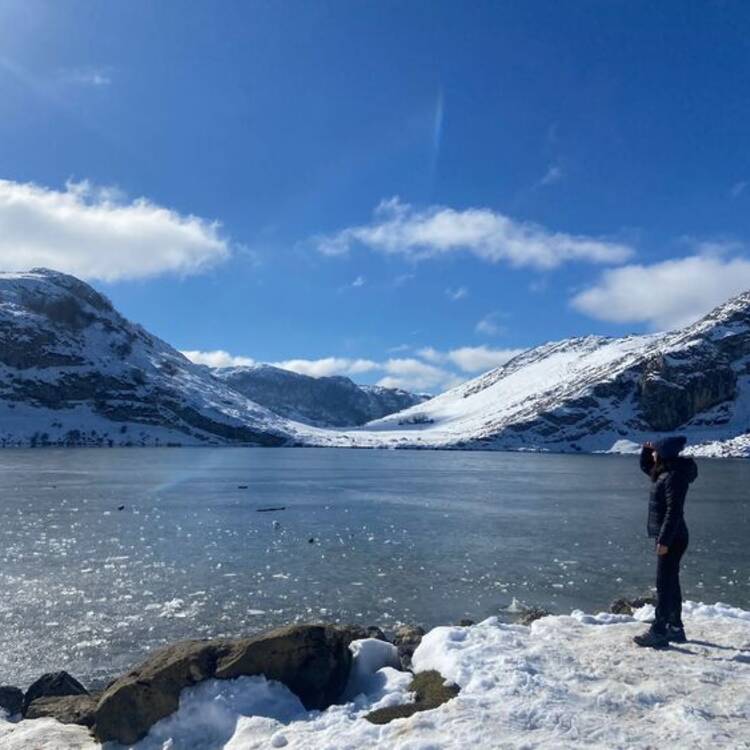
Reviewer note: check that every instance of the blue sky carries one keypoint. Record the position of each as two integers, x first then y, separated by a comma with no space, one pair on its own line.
405,192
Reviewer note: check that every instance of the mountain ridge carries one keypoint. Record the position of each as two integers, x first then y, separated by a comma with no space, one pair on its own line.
73,371
329,401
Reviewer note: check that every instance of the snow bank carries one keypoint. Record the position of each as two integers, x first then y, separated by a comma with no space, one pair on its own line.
567,681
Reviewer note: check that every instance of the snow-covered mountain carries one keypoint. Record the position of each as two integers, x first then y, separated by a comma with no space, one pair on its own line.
322,402
596,394
74,371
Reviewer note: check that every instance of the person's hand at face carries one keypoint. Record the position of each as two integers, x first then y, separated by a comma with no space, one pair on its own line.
662,549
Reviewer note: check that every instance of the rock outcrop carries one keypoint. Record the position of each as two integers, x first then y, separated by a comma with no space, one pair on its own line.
52,685
11,699
67,709
313,661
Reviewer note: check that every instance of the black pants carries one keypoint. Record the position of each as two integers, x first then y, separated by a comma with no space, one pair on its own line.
668,592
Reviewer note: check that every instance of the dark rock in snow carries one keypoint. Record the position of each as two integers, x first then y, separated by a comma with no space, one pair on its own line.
53,684
430,692
359,632
628,606
67,709
313,661
11,699
406,639
531,614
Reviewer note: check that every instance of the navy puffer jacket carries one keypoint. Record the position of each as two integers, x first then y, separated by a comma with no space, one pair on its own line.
666,520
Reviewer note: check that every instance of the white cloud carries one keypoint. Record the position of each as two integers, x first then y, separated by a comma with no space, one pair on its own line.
93,233
326,366
217,358
475,359
431,354
359,281
429,370
415,375
456,294
469,359
490,325
665,295
398,228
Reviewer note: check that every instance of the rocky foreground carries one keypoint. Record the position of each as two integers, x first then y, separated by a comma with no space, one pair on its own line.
554,682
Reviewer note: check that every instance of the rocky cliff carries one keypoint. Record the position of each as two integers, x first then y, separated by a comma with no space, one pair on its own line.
597,394
73,371
323,402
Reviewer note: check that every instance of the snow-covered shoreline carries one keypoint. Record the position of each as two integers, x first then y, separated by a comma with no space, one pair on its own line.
566,681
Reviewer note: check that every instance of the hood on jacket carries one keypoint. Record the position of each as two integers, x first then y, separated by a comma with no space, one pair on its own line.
686,467
670,447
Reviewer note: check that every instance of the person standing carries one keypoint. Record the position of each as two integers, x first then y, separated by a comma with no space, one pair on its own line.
671,475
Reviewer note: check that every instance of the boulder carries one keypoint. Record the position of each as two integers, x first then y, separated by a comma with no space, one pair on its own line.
52,684
313,661
406,639
11,699
134,702
67,709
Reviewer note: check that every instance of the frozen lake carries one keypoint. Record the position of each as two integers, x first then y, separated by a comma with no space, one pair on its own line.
375,537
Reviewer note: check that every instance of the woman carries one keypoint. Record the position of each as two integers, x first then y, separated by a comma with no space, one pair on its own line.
670,474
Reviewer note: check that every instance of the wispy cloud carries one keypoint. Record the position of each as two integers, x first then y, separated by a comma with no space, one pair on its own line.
403,278
400,229
490,325
738,188
665,295
359,281
456,294
97,77
553,174
94,233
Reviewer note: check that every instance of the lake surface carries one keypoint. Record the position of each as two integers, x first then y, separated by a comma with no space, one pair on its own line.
375,537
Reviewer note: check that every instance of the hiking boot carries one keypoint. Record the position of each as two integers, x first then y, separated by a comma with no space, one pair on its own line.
676,634
652,639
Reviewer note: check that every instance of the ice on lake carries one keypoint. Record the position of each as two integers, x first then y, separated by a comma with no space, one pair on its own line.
375,537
